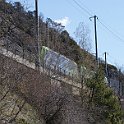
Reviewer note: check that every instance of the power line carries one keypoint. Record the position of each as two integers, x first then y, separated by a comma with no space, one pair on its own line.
86,10
112,32
82,8
89,11
106,27
78,7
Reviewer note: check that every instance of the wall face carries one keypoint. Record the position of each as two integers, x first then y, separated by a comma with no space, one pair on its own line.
38,89
48,71
10,107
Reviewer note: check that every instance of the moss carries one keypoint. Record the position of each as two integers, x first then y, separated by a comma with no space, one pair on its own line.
22,121
10,105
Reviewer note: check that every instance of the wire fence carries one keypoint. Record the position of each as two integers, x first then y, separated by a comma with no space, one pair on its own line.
26,53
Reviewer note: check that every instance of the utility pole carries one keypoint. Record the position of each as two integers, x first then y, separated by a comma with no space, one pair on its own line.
106,70
36,12
38,62
95,18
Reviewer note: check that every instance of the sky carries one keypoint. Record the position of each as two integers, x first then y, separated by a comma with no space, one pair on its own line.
110,23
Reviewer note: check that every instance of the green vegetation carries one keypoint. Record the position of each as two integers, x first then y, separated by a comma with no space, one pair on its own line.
20,26
22,121
103,98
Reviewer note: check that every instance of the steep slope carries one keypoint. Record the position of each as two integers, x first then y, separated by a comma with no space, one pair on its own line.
54,104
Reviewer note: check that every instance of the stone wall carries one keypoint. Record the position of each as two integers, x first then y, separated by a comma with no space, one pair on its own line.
51,98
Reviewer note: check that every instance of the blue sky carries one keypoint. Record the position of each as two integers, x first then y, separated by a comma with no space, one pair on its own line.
109,12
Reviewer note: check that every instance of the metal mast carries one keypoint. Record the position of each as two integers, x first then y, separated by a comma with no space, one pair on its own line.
95,18
37,36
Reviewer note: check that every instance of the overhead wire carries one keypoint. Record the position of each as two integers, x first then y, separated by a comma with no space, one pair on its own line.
107,27
82,8
77,7
111,31
85,7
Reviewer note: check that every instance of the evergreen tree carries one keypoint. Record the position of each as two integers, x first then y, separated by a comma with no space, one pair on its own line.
103,97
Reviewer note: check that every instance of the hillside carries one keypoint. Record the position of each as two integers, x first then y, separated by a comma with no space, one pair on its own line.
55,104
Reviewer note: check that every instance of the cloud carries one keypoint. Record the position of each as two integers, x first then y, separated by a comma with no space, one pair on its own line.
64,21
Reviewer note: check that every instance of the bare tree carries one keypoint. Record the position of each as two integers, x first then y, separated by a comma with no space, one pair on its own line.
82,34
86,62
